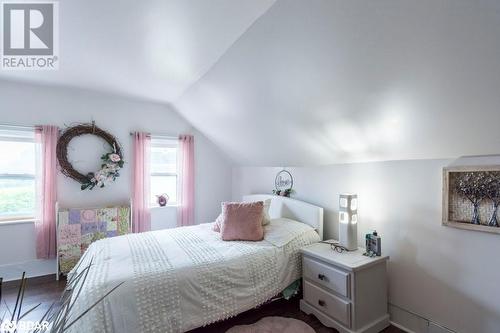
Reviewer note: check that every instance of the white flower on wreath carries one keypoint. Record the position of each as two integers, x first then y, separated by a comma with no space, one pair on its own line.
115,158
110,167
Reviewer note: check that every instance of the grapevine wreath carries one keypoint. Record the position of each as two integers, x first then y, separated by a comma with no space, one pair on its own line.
112,162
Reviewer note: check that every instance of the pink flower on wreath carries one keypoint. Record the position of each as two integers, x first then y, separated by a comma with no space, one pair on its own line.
115,158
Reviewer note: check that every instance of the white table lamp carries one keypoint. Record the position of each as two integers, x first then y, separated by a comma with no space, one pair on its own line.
348,221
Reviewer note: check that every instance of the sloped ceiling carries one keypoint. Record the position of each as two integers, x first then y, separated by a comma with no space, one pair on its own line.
327,81
151,49
295,82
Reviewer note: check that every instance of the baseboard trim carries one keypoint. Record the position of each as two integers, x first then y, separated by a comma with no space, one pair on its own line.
32,281
401,327
403,318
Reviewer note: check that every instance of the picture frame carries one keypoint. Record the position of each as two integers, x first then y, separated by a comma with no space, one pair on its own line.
451,216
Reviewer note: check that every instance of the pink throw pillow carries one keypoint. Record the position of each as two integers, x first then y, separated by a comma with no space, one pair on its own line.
265,217
242,221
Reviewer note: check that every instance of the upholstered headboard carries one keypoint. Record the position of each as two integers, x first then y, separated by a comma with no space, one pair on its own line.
293,209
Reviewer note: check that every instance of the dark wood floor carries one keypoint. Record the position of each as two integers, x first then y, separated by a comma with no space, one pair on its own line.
46,291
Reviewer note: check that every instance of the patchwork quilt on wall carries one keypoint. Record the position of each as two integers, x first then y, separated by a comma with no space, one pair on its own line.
78,228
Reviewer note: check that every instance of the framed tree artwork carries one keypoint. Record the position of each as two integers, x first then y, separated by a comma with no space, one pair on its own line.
471,197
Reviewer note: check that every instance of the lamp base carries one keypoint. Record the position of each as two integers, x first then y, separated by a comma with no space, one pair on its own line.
348,236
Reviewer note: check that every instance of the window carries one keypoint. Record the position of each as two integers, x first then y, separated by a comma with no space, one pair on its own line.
17,174
163,169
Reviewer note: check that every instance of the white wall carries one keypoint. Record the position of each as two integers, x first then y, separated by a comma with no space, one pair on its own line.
446,275
163,217
24,104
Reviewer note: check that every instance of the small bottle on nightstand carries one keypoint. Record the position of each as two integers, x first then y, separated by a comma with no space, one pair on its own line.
373,244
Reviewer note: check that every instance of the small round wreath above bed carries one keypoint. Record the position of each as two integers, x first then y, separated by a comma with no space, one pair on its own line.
112,162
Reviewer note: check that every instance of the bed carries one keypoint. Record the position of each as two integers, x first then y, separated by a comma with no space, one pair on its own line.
179,279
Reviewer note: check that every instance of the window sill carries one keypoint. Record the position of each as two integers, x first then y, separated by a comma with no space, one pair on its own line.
7,222
164,207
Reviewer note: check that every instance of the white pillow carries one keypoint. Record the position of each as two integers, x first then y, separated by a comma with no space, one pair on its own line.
266,218
282,231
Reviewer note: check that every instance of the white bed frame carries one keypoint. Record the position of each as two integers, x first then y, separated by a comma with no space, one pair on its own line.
293,209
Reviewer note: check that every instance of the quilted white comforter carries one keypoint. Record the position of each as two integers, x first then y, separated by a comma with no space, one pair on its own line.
183,278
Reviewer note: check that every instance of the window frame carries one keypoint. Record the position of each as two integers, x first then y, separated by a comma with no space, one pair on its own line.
158,141
7,219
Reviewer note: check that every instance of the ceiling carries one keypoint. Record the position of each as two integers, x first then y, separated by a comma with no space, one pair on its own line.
294,82
151,49
322,82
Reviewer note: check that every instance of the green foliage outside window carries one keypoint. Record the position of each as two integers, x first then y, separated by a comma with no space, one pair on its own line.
17,198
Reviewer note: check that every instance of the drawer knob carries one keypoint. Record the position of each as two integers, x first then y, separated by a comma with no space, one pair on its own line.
321,277
321,302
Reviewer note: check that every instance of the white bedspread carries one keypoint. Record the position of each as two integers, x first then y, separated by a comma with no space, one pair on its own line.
183,278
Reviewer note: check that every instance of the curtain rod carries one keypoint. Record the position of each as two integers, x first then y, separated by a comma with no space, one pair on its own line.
164,136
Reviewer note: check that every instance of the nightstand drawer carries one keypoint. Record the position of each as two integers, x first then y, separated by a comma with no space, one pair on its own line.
327,276
330,304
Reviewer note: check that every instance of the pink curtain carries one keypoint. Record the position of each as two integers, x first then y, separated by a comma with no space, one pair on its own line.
141,219
45,225
185,211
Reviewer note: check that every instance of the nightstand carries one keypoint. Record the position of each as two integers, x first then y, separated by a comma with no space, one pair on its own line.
346,291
